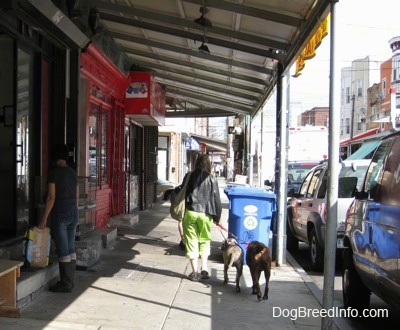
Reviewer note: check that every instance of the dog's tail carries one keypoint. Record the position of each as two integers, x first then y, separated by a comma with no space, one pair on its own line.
260,253
259,250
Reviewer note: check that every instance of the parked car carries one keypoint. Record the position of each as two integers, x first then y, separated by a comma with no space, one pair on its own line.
372,232
163,188
297,171
307,210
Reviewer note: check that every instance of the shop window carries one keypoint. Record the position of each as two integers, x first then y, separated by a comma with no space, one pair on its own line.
98,157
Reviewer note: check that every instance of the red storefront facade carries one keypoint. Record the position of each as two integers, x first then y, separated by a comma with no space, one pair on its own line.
101,130
118,135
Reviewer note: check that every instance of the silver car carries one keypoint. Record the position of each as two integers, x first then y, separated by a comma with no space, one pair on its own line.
307,209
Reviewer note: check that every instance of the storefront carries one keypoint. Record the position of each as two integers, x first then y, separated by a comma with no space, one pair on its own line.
102,132
37,105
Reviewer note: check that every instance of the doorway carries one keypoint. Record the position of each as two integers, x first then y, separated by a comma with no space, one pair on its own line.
16,127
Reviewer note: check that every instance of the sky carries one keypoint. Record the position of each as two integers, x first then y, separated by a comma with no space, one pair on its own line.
364,28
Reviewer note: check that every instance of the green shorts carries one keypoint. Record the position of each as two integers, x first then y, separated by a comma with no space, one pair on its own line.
197,233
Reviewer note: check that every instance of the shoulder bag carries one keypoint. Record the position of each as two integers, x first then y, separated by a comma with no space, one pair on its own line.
178,200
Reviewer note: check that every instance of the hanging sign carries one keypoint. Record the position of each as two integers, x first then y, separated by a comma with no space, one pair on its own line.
193,144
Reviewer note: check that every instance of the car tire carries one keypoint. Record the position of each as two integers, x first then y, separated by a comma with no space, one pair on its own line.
316,252
355,294
292,243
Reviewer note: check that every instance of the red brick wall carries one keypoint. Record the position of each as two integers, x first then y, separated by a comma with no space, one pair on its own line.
103,205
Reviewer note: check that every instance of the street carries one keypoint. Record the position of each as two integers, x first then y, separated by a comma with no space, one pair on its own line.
302,258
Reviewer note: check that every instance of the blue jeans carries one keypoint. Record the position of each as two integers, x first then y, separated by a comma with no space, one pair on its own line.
63,230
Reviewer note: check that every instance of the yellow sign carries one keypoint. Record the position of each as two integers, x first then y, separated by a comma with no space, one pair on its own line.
309,51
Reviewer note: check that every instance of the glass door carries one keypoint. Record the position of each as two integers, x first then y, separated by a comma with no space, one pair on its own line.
22,141
7,158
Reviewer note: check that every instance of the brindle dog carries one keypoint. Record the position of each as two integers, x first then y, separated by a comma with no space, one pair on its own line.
258,258
233,256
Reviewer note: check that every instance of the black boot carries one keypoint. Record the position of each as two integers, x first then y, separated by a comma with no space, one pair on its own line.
73,267
66,282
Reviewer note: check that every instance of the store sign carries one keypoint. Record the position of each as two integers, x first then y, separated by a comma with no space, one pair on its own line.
193,144
145,99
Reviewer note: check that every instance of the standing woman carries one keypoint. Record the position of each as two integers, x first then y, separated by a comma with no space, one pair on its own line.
203,207
62,201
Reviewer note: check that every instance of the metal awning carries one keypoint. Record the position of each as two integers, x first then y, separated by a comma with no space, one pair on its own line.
53,21
212,145
227,67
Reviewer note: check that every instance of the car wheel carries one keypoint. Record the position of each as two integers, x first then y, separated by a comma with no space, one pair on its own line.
292,243
316,252
355,294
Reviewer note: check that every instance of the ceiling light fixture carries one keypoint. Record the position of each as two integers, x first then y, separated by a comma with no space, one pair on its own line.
203,21
203,49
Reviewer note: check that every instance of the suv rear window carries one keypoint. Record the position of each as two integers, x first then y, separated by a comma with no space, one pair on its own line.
359,173
298,171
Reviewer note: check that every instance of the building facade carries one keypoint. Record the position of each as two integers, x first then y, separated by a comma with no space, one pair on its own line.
318,116
60,86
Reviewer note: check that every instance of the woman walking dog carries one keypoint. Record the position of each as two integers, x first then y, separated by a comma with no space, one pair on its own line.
203,208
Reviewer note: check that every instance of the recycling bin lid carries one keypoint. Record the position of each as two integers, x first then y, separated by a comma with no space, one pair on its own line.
249,191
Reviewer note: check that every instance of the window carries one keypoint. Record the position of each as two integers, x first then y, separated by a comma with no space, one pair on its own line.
375,169
304,185
358,123
383,87
347,125
359,88
389,189
313,184
347,94
98,161
323,187
396,69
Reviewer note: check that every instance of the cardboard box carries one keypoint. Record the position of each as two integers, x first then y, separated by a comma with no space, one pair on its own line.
36,247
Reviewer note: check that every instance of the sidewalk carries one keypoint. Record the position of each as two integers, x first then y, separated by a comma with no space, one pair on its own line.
141,284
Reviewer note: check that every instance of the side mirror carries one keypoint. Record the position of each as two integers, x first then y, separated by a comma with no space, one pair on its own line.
361,195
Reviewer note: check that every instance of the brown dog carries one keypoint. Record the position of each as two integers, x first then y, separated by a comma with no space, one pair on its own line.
233,256
258,258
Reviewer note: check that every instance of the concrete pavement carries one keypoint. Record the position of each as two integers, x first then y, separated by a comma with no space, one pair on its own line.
141,284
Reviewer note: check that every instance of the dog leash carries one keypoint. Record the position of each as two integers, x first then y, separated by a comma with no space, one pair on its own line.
230,233
223,236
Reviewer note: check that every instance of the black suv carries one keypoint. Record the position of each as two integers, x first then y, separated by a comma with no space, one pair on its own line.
371,258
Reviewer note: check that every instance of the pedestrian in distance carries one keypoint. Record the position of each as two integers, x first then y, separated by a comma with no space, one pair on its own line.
61,209
218,170
203,208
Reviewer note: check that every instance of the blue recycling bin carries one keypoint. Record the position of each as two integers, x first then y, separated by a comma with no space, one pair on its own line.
250,214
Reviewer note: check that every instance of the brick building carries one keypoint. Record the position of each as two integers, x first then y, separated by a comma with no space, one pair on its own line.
317,116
